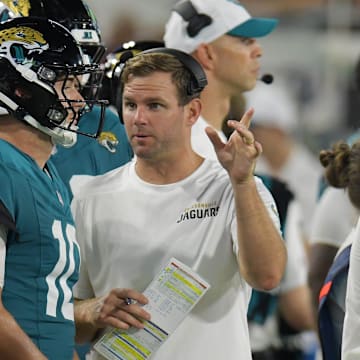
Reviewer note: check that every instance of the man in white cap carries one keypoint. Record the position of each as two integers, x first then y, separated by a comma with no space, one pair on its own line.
220,34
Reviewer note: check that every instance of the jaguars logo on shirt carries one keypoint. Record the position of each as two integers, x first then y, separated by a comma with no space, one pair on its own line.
199,211
108,140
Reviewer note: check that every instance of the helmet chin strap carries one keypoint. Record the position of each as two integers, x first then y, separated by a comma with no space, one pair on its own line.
58,136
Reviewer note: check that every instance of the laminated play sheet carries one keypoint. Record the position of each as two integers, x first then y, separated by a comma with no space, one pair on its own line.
172,295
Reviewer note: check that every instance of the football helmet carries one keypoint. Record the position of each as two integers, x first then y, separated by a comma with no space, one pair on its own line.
112,68
77,17
35,53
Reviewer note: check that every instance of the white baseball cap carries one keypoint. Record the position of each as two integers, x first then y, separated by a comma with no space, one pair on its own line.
274,105
222,17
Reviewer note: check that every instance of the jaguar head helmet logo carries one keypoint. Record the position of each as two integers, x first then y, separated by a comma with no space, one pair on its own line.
19,42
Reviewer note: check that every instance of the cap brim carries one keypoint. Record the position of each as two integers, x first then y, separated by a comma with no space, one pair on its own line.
254,27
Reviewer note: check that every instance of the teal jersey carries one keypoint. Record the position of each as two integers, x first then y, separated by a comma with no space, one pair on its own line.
42,256
94,157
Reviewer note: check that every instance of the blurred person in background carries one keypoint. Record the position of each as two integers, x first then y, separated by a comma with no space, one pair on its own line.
340,172
276,318
334,219
350,338
285,157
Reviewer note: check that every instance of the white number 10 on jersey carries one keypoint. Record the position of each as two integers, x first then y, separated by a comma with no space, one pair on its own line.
57,274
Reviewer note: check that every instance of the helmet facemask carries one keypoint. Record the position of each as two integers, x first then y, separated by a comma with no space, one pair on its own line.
66,113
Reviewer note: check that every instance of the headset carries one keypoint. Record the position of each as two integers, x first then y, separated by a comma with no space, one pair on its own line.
198,77
109,86
196,21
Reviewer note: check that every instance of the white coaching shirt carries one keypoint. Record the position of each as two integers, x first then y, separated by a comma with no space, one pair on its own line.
127,229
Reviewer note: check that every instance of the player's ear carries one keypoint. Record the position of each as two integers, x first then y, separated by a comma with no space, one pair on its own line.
193,110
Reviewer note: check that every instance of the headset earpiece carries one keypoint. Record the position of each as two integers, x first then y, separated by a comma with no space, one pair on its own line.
115,84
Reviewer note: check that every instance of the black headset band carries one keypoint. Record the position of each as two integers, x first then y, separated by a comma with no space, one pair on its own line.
199,80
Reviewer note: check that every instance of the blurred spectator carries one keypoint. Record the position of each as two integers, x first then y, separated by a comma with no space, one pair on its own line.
275,124
342,171
334,218
350,338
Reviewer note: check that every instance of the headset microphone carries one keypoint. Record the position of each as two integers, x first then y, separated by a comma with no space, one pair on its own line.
267,79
